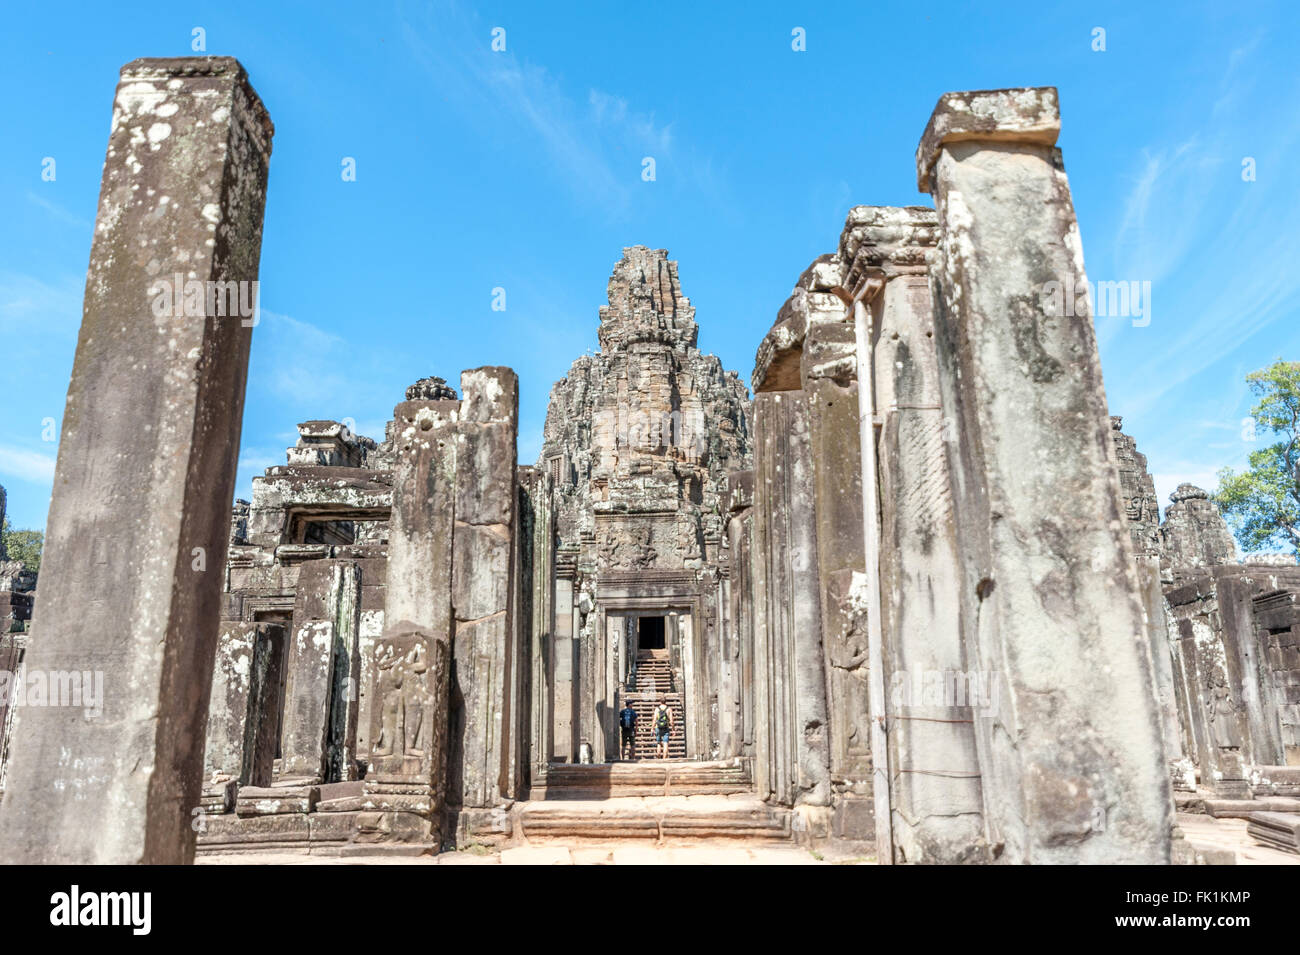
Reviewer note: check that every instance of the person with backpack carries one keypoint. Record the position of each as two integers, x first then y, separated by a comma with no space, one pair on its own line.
627,725
663,718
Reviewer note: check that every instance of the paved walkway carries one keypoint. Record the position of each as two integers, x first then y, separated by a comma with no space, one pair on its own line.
547,855
1201,829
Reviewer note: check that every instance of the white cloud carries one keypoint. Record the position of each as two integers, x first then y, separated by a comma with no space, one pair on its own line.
58,212
588,148
28,304
259,460
1217,249
26,465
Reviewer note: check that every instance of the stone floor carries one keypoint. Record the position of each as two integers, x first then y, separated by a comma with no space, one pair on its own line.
1203,830
554,855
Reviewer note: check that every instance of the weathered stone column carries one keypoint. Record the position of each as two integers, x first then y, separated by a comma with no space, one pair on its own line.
736,691
786,583
538,493
241,723
483,568
1072,758
828,373
140,518
12,648
563,670
933,767
1142,514
319,736
408,710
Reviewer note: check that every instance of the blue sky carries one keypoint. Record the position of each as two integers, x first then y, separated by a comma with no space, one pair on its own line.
522,170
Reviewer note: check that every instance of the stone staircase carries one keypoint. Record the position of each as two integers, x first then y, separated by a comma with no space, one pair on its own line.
649,778
654,679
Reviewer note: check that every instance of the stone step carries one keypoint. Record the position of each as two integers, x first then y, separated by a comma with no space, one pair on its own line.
1281,830
676,820
651,778
1278,781
1244,808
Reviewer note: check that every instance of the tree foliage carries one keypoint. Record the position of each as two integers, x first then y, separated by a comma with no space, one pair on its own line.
1262,503
23,545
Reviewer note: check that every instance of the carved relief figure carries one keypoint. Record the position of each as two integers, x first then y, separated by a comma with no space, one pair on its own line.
403,726
1223,716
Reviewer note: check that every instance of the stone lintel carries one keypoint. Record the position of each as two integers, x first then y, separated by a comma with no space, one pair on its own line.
1024,115
325,428
891,239
324,474
776,365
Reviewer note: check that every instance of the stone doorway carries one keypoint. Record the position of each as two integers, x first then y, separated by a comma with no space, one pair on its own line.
277,648
650,636
651,673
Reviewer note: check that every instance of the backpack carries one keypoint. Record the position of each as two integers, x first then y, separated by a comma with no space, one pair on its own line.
661,718
627,717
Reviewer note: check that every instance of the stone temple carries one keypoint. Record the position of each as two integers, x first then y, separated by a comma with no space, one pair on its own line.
877,624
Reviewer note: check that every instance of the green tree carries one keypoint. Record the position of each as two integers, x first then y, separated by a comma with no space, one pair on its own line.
23,545
1262,503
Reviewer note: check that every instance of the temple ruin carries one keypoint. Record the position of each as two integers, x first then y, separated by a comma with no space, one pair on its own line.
858,589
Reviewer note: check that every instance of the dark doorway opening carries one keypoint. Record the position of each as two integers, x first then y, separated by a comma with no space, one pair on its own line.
277,674
650,633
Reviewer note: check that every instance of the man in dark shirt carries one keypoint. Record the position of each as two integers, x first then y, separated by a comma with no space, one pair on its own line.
627,726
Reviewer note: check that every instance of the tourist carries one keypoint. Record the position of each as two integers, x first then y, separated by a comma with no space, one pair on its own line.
627,723
663,727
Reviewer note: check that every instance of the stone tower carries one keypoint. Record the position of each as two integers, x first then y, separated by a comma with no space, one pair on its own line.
1194,533
1138,492
639,439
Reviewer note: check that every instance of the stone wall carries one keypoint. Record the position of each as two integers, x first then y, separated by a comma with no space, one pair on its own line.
314,692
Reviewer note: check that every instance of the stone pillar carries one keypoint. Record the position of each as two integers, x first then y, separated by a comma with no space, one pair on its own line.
736,691
406,781
563,667
521,637
12,648
483,568
1072,758
319,736
933,767
543,615
828,372
140,517
786,582
1222,740
1162,667
1142,515
245,689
